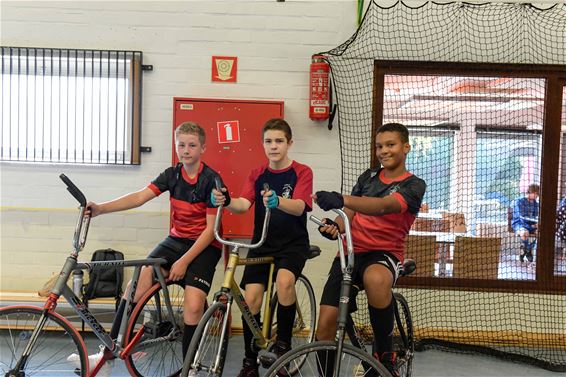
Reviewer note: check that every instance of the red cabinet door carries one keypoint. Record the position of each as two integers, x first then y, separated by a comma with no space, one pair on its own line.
233,144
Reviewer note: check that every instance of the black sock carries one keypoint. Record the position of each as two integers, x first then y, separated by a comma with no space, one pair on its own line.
188,333
382,322
249,336
117,319
285,320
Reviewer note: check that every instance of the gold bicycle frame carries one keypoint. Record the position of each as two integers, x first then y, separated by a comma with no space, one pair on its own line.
230,284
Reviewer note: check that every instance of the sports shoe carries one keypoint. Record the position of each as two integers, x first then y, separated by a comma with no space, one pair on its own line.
389,361
249,368
280,348
93,361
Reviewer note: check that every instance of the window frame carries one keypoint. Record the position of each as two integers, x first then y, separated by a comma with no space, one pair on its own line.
555,76
79,106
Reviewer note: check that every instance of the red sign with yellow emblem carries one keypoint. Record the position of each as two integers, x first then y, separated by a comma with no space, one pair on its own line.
224,68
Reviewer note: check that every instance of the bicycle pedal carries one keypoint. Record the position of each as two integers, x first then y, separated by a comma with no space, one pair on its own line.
267,359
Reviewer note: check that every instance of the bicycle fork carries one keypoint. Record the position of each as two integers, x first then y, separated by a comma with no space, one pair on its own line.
21,364
215,368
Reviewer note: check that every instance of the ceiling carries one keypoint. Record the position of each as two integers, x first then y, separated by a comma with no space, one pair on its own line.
491,101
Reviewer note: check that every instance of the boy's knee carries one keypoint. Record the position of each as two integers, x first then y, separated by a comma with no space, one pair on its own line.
285,284
326,327
254,303
285,287
192,312
379,280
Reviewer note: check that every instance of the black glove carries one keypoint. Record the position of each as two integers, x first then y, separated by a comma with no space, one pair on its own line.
329,200
328,235
227,196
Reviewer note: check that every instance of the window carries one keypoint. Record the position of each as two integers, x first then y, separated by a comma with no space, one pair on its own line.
431,159
506,163
70,106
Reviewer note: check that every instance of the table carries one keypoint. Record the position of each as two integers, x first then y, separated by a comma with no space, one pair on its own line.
445,241
430,215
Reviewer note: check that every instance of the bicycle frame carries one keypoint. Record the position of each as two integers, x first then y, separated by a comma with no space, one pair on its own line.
61,288
347,266
230,287
232,290
229,284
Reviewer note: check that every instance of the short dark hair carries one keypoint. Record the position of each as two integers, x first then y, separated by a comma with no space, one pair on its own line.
279,125
395,127
191,128
533,188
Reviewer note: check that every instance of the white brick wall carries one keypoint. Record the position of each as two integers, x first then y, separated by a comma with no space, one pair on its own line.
273,42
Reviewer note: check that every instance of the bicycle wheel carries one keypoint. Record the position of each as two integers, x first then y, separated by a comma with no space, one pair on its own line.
316,359
305,318
403,336
207,351
56,341
159,351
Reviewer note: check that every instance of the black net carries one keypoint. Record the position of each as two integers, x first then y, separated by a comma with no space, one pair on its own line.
477,142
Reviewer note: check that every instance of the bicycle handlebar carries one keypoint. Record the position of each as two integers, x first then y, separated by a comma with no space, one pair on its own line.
81,229
234,243
347,233
74,190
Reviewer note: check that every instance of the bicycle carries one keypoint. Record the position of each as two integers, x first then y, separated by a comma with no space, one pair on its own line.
207,351
318,358
37,341
360,333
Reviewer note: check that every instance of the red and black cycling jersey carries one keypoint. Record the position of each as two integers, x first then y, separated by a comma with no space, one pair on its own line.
286,232
387,232
190,199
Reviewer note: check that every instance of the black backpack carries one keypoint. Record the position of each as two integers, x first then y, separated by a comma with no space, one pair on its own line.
105,282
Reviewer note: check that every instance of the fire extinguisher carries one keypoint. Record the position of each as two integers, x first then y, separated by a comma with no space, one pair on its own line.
319,99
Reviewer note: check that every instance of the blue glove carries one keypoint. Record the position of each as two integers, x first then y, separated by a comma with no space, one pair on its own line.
329,200
273,200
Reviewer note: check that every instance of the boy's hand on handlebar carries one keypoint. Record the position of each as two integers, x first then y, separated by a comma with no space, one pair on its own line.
330,230
92,209
220,198
329,200
270,199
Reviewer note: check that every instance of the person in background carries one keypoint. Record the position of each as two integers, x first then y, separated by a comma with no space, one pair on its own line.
525,221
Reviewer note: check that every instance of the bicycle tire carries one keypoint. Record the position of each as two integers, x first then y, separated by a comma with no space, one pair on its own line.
57,340
207,341
403,336
305,319
154,355
354,362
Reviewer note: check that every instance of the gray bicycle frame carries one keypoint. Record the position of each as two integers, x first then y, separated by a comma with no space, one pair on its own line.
61,288
84,313
347,267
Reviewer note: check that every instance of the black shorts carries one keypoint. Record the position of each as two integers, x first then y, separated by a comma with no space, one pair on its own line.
331,291
293,260
201,270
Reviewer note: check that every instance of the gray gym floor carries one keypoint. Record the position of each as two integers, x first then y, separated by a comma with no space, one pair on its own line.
430,363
